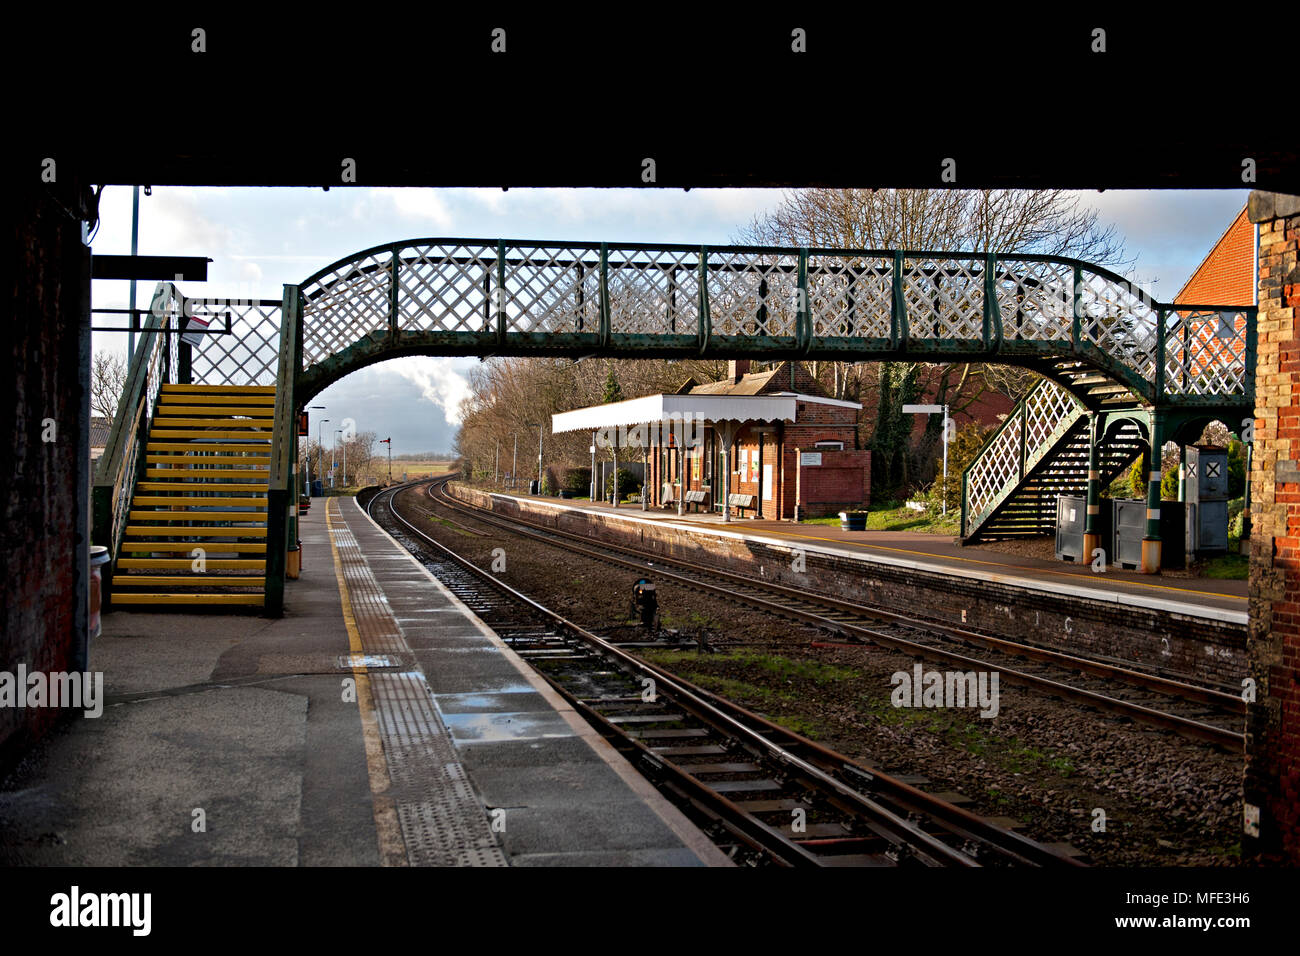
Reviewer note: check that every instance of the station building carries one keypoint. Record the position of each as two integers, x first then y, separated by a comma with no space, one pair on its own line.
758,444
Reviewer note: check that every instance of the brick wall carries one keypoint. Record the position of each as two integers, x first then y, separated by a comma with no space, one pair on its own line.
841,481
43,546
1272,774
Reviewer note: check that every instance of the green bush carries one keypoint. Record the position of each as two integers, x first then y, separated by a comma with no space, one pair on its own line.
628,484
577,481
1236,515
963,448
1169,485
1236,469
1137,482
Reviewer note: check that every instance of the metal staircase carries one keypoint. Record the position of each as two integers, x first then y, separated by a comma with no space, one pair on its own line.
1039,453
197,527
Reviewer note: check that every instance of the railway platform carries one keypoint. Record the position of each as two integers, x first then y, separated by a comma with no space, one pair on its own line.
378,722
1223,601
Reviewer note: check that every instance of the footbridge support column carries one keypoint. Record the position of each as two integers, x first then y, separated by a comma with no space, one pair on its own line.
1092,521
1151,541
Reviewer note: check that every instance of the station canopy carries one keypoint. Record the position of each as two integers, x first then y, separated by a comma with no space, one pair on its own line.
688,407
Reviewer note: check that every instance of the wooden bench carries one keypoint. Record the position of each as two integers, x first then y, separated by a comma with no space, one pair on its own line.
741,502
695,498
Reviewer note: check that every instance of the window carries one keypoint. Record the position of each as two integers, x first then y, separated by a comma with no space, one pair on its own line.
830,445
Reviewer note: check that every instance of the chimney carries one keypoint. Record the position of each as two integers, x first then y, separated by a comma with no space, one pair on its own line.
736,368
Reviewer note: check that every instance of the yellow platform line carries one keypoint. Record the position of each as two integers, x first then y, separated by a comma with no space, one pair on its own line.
392,848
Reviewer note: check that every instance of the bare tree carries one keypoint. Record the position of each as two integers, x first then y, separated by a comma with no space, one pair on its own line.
108,372
1046,222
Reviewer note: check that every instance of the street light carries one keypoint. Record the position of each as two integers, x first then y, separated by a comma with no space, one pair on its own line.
539,453
334,455
320,445
947,428
308,488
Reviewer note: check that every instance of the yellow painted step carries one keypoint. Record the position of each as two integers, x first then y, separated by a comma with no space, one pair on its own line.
171,398
200,502
220,547
186,580
202,448
207,472
199,486
165,434
219,389
175,564
254,411
188,515
193,599
224,421
207,459
141,530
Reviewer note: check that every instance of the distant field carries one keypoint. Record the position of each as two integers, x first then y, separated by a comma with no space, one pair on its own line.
412,468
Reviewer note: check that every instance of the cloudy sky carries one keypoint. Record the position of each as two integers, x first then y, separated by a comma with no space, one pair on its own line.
260,239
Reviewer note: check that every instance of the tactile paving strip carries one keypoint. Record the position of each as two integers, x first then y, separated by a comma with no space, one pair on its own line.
443,823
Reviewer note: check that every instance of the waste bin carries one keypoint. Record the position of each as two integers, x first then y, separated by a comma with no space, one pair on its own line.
317,488
1130,528
1071,516
533,487
853,520
1071,524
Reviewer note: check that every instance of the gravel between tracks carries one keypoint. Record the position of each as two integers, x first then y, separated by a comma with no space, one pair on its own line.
1049,764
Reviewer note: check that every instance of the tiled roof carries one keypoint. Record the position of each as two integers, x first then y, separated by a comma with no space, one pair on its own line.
750,384
99,429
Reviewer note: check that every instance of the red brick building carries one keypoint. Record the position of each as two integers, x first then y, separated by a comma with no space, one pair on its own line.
765,443
1227,273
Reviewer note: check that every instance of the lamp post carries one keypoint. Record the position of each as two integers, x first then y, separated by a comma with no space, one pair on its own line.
320,446
334,455
308,489
539,453
934,410
514,464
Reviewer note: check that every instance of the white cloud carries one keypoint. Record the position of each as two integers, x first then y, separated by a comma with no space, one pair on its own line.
439,381
422,205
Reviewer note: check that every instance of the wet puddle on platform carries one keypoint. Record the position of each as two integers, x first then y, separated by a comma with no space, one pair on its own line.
516,726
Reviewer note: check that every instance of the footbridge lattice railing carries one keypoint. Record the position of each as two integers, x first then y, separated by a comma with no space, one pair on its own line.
1028,433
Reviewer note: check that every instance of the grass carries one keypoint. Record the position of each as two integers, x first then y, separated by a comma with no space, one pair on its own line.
1230,567
778,666
450,527
737,690
696,620
969,735
890,516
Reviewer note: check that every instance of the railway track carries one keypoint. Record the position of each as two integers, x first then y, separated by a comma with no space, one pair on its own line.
761,792
1201,713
